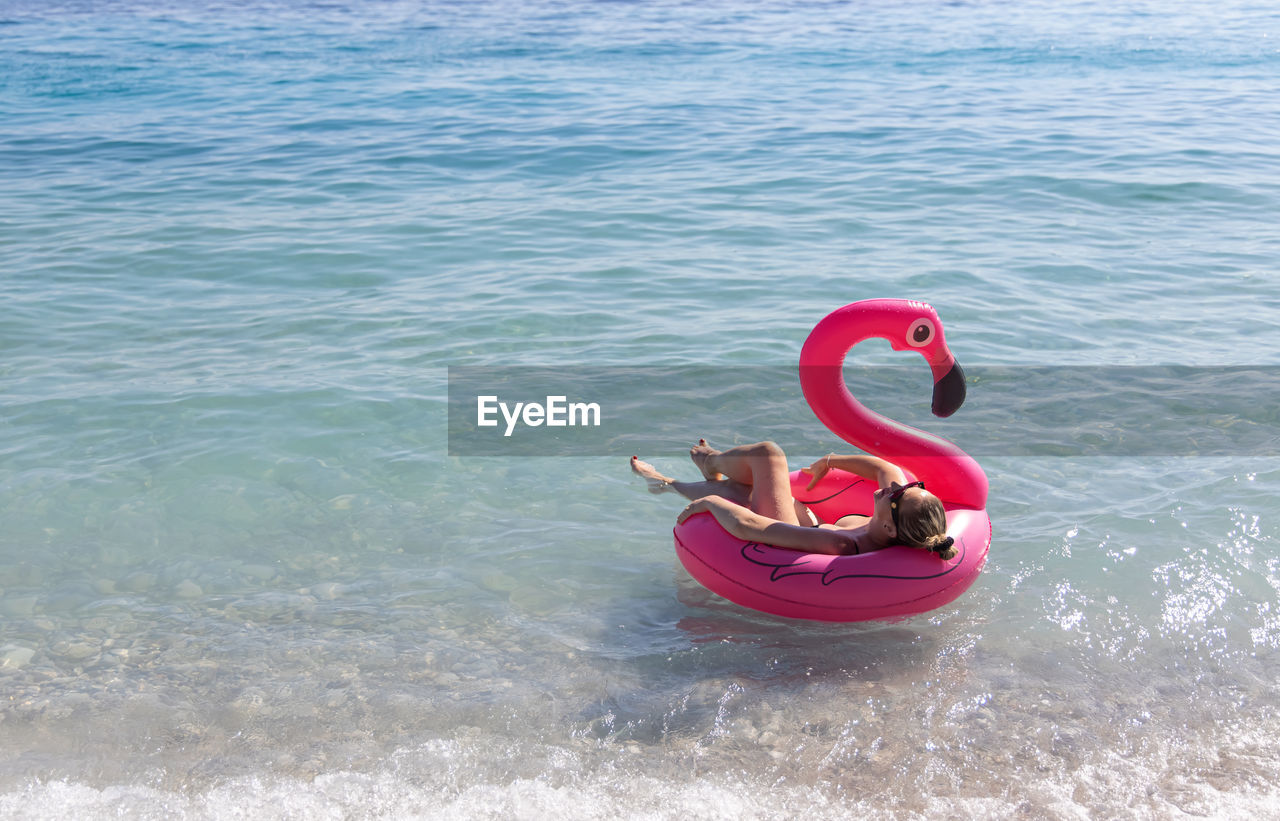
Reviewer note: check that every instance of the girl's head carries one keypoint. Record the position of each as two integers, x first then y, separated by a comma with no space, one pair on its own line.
919,519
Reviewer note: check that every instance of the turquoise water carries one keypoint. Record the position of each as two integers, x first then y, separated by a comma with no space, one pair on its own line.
241,246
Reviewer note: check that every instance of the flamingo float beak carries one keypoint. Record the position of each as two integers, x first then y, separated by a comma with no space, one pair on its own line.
949,392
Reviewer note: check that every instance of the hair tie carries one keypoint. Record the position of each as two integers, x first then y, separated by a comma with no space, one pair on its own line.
944,545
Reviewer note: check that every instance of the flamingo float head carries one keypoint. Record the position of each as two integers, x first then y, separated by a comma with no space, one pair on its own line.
910,325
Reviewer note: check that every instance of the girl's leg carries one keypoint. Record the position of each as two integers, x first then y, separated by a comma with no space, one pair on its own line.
762,466
698,453
733,491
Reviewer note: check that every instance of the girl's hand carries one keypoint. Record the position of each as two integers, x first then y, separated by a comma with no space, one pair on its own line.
699,506
817,470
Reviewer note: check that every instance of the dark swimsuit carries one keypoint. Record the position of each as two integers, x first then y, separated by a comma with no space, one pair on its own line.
857,549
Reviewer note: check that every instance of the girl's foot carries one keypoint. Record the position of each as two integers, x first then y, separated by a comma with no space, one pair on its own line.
699,453
656,481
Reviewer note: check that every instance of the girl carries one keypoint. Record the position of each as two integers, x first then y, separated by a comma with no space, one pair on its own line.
748,489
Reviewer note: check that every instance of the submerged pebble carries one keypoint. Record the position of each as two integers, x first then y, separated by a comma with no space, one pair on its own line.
15,657
261,572
17,607
139,582
187,589
327,591
75,651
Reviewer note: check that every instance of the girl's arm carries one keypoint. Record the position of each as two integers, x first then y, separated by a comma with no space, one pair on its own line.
750,526
868,467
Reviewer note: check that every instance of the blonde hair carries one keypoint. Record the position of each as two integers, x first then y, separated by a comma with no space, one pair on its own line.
926,526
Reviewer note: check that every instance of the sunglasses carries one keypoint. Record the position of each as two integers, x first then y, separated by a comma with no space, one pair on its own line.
895,493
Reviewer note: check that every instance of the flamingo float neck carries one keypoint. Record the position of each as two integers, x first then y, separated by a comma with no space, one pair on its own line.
950,473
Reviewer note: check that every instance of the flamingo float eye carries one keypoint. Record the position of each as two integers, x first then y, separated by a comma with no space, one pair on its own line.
922,332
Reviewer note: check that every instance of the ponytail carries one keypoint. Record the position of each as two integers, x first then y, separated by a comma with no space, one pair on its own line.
944,546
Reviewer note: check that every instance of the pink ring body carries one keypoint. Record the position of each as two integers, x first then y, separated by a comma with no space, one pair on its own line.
885,584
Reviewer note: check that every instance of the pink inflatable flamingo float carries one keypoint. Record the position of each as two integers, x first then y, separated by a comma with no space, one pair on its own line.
897,581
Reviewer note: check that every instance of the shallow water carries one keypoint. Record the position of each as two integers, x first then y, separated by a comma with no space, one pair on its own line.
246,568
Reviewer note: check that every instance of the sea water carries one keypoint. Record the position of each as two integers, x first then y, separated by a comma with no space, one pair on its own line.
246,569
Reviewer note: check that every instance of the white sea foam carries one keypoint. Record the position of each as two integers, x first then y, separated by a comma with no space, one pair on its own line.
448,780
